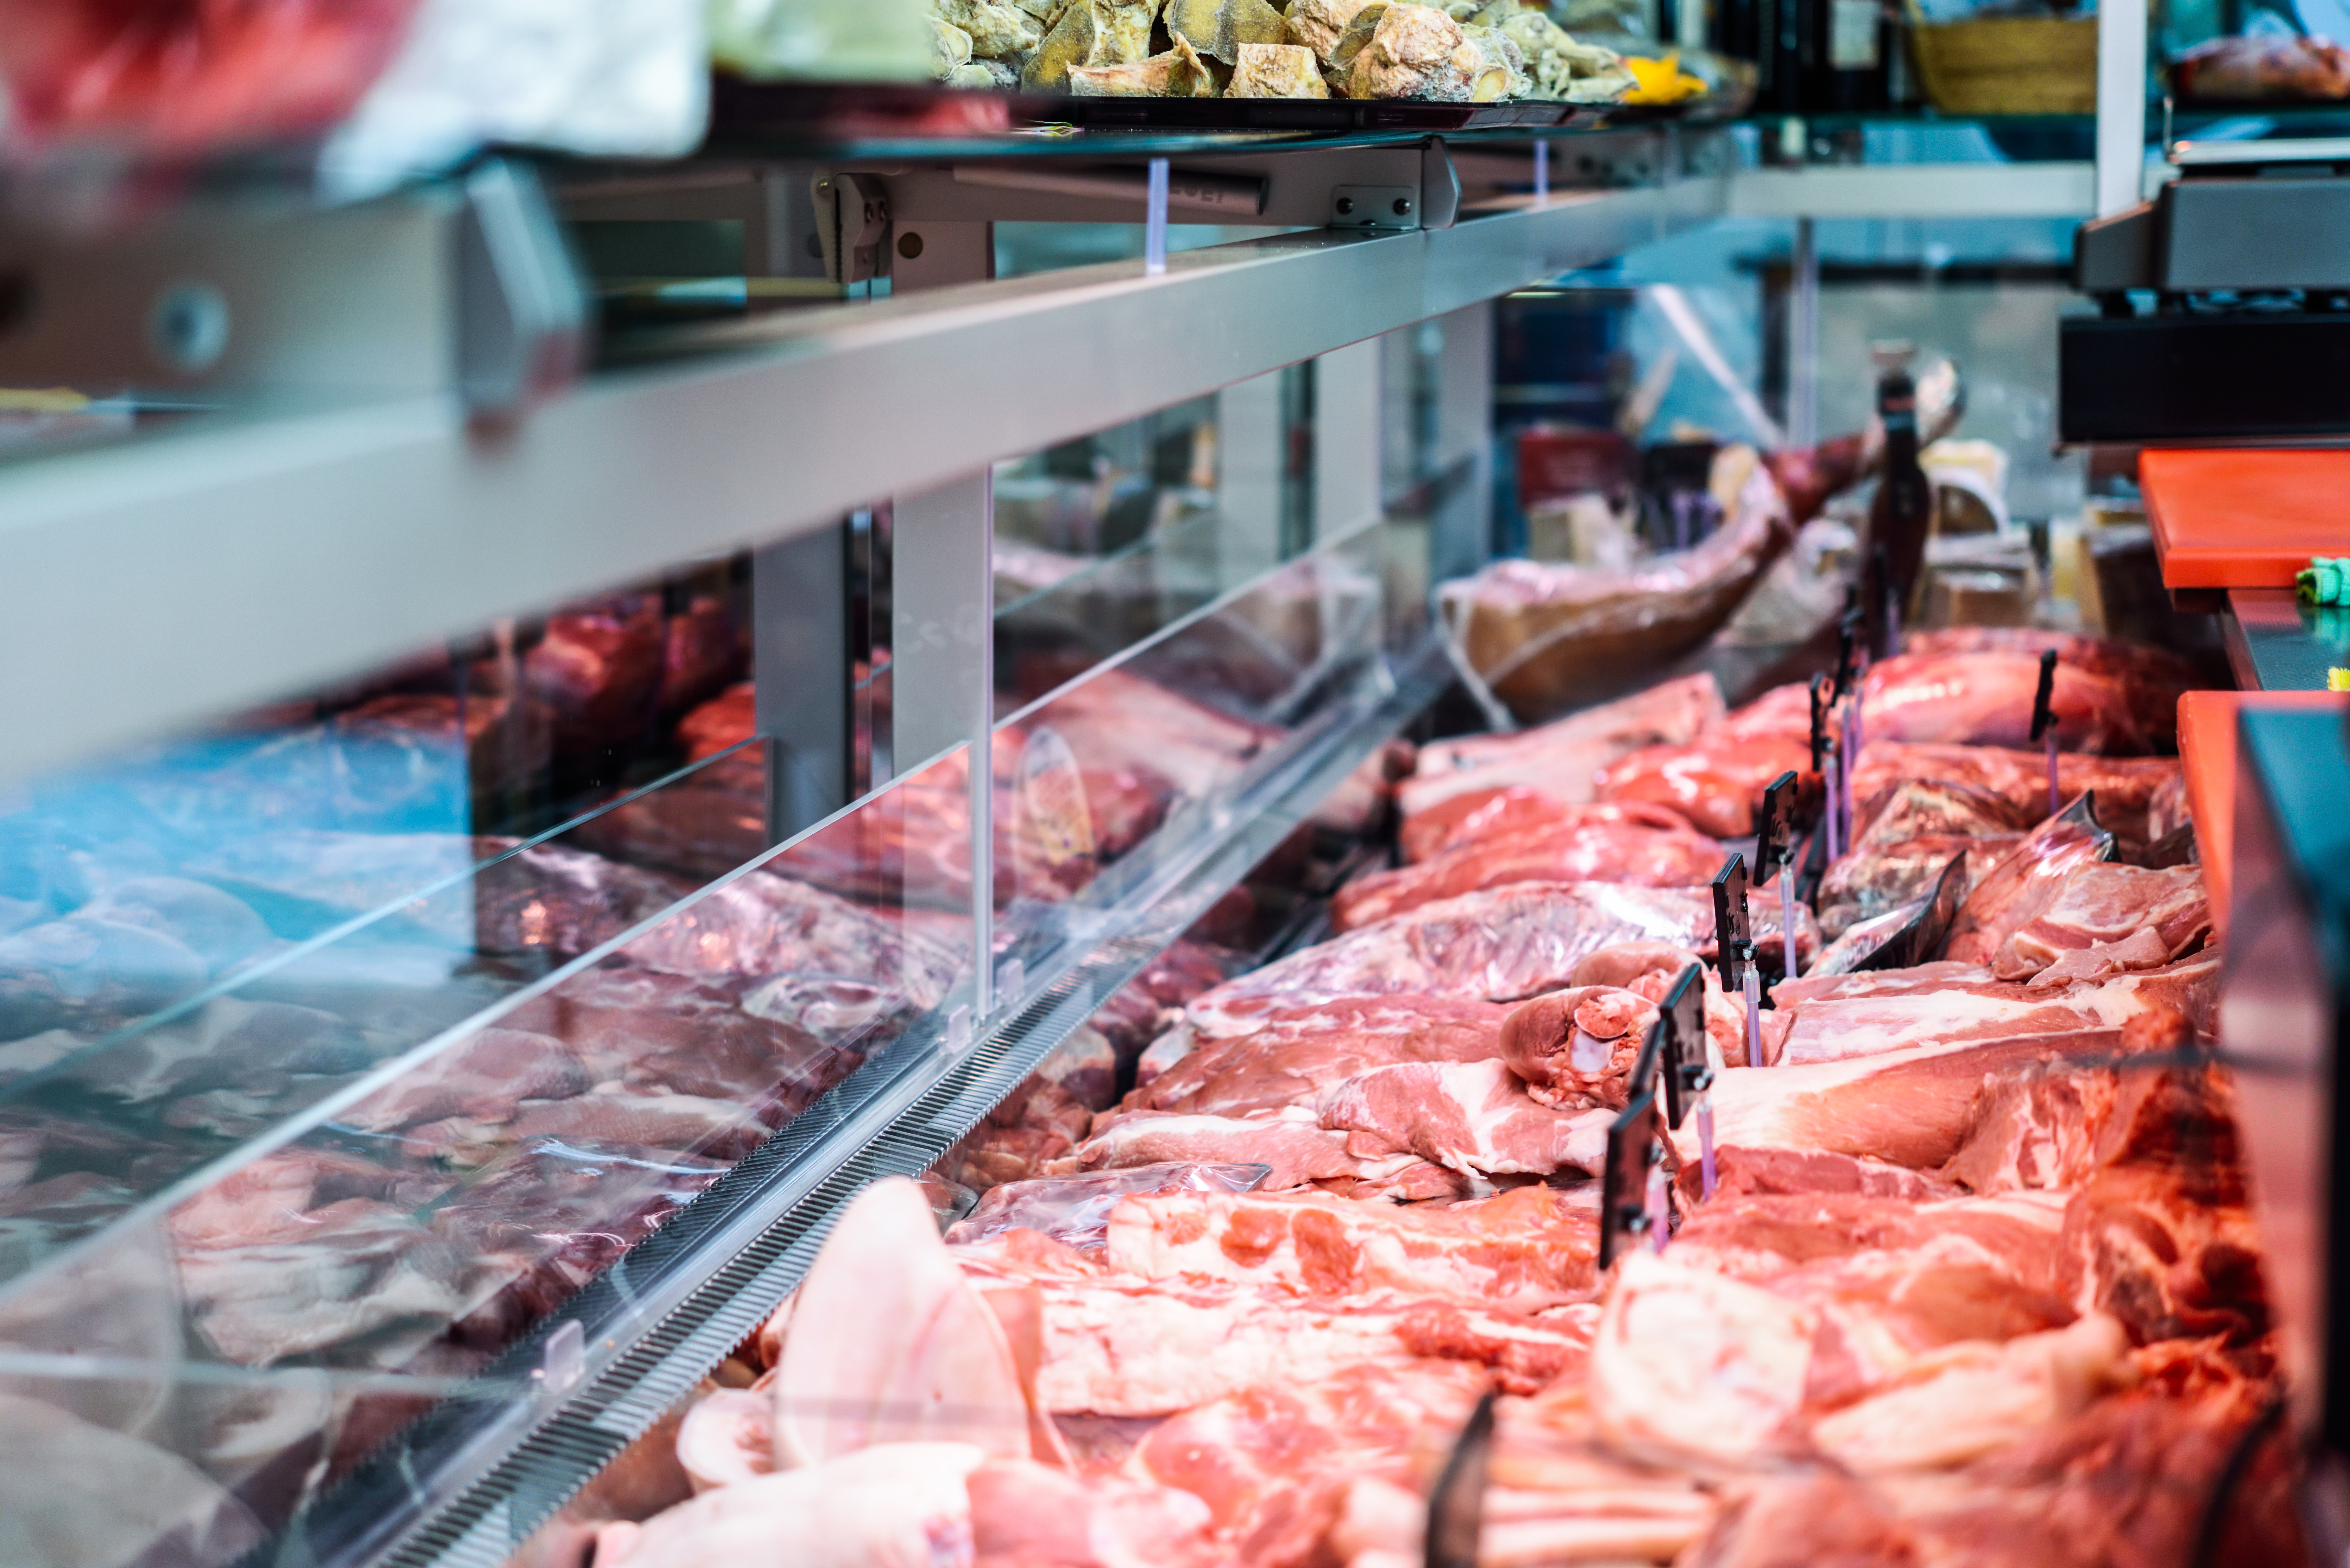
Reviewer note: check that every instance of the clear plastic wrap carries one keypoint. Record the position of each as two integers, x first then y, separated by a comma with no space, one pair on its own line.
1074,1210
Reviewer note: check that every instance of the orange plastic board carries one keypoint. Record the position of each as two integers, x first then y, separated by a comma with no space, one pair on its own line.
2233,519
2207,750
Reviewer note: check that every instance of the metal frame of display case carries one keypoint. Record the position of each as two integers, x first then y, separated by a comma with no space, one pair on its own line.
364,495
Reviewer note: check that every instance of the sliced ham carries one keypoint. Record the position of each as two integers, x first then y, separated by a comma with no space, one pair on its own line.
1634,855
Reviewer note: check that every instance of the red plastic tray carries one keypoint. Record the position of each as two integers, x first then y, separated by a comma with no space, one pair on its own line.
2244,519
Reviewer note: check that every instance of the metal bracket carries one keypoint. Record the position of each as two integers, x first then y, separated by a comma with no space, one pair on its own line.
852,221
522,315
1374,207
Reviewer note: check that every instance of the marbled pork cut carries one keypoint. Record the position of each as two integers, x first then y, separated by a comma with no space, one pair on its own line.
1834,1028
1715,781
1636,856
1126,1347
1501,946
1477,817
2101,905
1465,1117
2125,786
1296,1147
1562,758
1575,1048
1914,832
1530,1247
2016,889
1986,699
1297,1057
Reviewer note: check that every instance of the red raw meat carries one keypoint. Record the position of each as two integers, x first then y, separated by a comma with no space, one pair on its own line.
1501,946
2100,908
1296,1147
2125,786
1076,1210
1294,1057
1638,857
1716,784
1914,831
598,674
1781,713
1986,699
483,1078
1648,970
1530,1247
2099,654
1477,815
1467,1116
181,79
1835,1028
2015,890
701,652
1563,759
1576,1047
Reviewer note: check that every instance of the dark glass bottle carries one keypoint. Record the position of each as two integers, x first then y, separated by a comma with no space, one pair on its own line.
1903,513
1847,55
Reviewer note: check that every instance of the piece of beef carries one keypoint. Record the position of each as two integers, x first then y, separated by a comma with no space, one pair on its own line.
2099,908
1477,817
1296,1056
2012,893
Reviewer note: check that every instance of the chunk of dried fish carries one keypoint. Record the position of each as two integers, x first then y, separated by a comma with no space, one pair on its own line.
998,31
1356,36
949,47
993,75
1218,28
1501,69
1416,51
1091,33
1178,73
1276,70
1318,25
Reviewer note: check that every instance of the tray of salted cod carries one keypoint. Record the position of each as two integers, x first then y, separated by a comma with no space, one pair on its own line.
1312,66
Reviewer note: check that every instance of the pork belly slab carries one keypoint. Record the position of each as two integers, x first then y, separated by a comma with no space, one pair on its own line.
1629,855
1498,946
1530,1247
1563,759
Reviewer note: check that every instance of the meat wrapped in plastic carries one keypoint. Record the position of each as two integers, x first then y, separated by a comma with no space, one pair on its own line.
1074,1210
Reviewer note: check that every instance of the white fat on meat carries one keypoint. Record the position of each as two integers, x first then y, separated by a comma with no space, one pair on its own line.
1290,1141
1972,1398
1531,1247
1026,1513
891,1343
1837,1027
1692,1368
1468,1117
893,1505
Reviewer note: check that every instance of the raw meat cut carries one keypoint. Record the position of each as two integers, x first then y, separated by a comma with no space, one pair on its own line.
1747,1170
2125,786
1649,971
1543,635
1985,698
675,1033
1035,1127
1693,1370
1937,975
1501,946
728,1436
1636,857
889,1343
1293,1143
1530,1247
219,930
1916,829
1296,1056
597,673
483,1078
1783,713
901,1505
74,1491
1467,1116
759,926
2101,655
1076,1211
1834,1028
2016,889
1477,817
674,1124
2110,904
1715,782
1563,759
1576,1047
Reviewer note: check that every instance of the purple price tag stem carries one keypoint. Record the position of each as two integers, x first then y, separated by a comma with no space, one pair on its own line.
1753,983
1705,1141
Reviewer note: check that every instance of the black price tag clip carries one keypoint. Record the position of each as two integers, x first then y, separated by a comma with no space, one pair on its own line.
1684,1068
1820,703
2044,700
1731,934
1774,824
1623,1218
1456,1510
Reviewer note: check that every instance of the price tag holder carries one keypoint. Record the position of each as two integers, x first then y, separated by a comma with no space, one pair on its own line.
1456,1510
1920,938
1730,931
2044,724
1774,846
1625,1220
1680,1022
